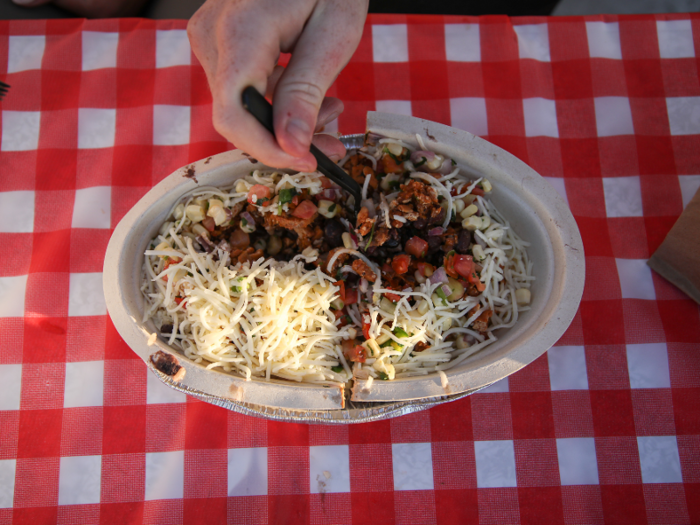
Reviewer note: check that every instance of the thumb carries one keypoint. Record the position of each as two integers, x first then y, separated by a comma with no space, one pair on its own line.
328,41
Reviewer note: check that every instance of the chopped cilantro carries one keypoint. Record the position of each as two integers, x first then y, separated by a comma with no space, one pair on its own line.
244,222
371,235
394,184
337,369
386,343
421,162
260,202
453,162
331,208
189,274
286,195
251,311
236,289
383,376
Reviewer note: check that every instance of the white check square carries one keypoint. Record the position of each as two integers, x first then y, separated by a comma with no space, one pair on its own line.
7,482
540,117
329,469
495,464
613,116
683,115
623,196
96,128
560,186
659,458
79,480
462,42
165,475
99,50
172,48
567,368
647,365
93,208
635,279
247,471
17,211
690,184
11,381
157,392
604,40
84,384
171,125
498,387
390,43
675,38
578,464
413,466
469,114
25,53
85,296
398,107
20,130
533,41
12,292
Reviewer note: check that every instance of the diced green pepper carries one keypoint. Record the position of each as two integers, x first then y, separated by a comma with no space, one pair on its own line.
337,369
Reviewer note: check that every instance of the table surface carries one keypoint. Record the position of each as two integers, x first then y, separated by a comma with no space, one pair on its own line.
603,428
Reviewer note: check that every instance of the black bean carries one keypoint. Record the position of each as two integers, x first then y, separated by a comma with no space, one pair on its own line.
420,223
438,219
434,242
394,239
333,232
463,242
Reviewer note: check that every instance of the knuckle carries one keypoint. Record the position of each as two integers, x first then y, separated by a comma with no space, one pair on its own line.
305,91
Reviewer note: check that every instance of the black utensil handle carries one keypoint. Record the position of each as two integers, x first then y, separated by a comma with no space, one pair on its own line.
261,109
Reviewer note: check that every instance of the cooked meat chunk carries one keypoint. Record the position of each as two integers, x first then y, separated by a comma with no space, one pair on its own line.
363,270
481,323
364,223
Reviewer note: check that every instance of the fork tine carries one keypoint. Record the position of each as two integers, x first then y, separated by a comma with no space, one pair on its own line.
3,84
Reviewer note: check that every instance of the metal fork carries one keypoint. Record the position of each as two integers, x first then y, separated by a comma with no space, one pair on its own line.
4,88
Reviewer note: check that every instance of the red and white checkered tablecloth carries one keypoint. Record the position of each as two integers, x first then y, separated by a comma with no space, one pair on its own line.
604,428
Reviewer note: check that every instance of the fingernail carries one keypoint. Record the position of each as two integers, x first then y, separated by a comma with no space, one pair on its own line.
300,130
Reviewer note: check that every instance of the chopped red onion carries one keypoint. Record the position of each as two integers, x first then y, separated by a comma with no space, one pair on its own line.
204,243
446,166
418,156
229,213
363,285
329,195
248,217
446,289
440,276
438,230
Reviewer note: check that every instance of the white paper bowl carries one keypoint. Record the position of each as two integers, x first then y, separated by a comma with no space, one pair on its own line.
535,210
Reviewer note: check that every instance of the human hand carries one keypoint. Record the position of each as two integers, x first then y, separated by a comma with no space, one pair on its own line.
238,44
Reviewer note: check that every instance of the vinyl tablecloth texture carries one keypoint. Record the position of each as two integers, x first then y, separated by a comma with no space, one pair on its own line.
604,428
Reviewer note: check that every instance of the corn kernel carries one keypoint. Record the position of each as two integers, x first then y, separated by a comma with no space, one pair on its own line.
471,223
468,211
522,296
